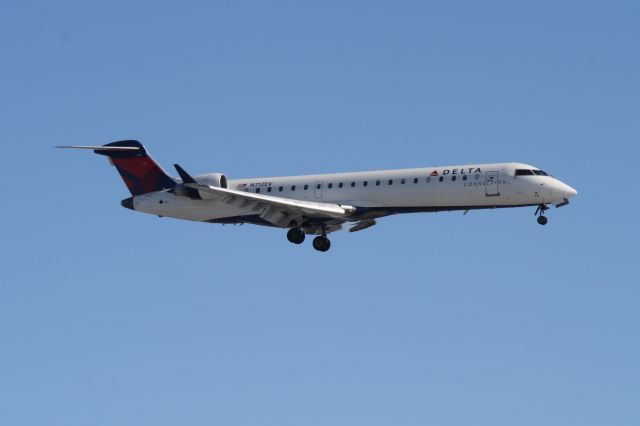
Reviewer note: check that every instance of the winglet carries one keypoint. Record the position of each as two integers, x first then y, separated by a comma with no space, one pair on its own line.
186,177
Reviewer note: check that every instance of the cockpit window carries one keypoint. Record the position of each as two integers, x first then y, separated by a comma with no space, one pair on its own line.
540,173
524,172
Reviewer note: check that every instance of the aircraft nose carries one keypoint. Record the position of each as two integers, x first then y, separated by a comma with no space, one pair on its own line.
567,191
570,192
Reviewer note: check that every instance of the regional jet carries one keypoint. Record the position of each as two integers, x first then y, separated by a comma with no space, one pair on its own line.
324,203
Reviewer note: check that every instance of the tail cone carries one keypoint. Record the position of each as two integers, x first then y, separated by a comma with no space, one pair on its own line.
127,203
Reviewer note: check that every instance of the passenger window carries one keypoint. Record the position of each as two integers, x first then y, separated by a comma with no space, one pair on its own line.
340,185
464,177
330,185
318,186
257,190
306,187
269,189
377,183
415,180
353,184
403,181
390,181
279,189
453,178
441,179
365,183
293,187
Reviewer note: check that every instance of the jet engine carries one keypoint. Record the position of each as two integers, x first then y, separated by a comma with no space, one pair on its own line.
212,179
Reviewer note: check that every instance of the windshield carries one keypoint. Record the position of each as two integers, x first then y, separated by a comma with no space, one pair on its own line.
527,172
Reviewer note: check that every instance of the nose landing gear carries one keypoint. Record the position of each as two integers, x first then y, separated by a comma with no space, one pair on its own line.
542,219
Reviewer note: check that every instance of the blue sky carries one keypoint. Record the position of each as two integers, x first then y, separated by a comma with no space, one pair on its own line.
108,316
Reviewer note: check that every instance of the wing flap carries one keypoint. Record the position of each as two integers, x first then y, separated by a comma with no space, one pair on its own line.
277,210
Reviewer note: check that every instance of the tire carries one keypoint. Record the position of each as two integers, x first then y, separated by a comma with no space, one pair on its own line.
295,236
542,220
321,243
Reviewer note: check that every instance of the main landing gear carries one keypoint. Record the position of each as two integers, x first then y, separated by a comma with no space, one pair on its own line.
542,219
295,235
320,243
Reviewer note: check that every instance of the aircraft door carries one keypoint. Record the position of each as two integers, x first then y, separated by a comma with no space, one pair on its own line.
317,187
492,184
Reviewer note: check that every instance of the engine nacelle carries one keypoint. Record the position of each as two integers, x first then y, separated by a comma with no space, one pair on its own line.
211,179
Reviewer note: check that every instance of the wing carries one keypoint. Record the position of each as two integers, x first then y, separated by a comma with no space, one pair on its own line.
277,210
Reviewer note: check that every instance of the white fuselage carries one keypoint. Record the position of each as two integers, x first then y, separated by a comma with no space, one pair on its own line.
379,193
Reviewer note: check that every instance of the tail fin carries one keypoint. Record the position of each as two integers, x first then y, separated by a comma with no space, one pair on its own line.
139,171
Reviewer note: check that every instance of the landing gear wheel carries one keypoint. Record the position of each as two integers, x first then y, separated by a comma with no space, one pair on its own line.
542,219
295,235
321,243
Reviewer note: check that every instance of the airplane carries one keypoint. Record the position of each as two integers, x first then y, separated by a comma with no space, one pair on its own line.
324,203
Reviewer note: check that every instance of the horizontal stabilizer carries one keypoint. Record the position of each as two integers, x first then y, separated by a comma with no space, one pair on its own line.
139,172
100,148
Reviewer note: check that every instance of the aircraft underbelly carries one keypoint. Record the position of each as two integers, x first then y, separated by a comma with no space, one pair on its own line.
165,204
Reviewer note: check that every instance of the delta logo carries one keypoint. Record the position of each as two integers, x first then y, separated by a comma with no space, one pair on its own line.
466,171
